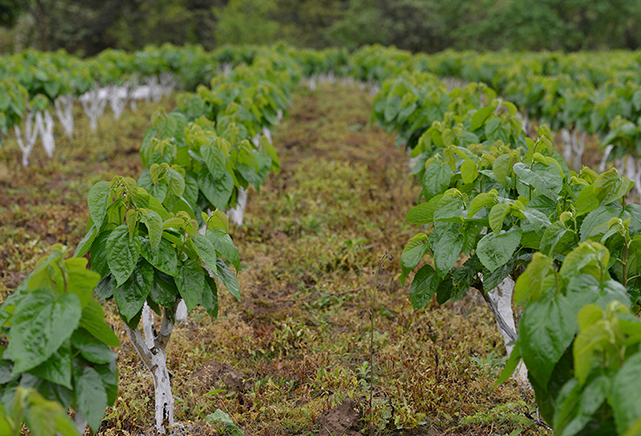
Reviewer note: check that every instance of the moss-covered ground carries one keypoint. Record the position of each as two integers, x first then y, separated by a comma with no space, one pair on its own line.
320,251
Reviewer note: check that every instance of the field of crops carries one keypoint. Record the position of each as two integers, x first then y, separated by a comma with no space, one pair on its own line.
346,230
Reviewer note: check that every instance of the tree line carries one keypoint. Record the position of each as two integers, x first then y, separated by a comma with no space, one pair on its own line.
87,27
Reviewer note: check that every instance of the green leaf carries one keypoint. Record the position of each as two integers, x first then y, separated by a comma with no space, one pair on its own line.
423,287
576,408
502,167
154,227
497,216
551,237
92,397
56,369
40,325
495,250
625,397
91,348
190,283
546,330
424,212
85,244
97,199
210,297
224,245
546,179
93,320
510,365
175,183
215,159
587,201
480,201
412,254
131,296
80,280
529,285
216,191
447,245
480,116
164,259
122,254
596,222
206,251
610,186
469,171
163,290
436,179
392,107
228,278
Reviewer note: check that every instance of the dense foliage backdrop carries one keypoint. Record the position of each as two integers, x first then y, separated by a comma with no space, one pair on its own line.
89,26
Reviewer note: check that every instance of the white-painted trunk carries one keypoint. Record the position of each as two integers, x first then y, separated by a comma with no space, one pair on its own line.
30,136
94,103
181,312
44,122
312,83
118,99
578,146
279,114
80,421
155,359
237,214
268,134
167,83
499,300
606,154
64,110
155,88
148,325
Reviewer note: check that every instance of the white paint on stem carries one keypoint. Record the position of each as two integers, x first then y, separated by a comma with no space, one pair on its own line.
499,300
30,136
64,110
155,359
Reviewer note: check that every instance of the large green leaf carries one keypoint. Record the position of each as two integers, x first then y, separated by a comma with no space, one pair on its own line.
447,244
216,191
97,199
228,278
546,179
80,280
209,298
224,245
164,258
91,348
424,212
436,179
596,222
154,228
40,325
93,320
546,330
92,397
423,286
412,254
123,253
495,250
57,369
131,296
190,283
206,251
626,396
163,290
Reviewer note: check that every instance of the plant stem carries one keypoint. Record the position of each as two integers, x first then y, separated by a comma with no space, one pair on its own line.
389,257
